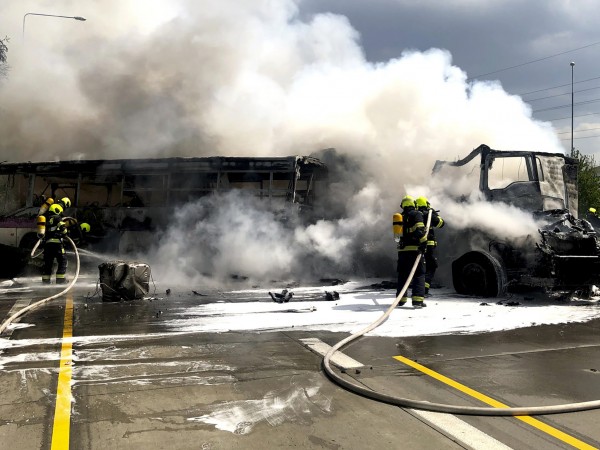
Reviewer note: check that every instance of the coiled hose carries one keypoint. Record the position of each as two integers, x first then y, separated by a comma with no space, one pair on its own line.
8,321
438,407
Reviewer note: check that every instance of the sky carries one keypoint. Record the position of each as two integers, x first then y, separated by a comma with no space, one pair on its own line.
391,85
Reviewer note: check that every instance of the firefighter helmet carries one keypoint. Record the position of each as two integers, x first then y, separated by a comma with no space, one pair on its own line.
421,202
55,208
85,227
66,202
407,201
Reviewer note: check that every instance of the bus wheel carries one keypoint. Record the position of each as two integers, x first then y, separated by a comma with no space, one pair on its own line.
479,274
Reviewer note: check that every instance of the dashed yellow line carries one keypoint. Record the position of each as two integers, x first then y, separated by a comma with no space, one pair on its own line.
573,441
62,412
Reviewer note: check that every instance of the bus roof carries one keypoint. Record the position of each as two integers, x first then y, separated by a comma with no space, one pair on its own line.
212,163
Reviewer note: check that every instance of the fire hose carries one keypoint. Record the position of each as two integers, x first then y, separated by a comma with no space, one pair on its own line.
430,406
18,314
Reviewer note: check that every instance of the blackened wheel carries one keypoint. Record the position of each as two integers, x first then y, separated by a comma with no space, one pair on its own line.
479,274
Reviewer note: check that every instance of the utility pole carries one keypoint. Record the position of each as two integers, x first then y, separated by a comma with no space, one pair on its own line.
572,97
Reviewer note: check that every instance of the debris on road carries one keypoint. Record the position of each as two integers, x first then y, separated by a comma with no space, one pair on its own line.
330,296
284,297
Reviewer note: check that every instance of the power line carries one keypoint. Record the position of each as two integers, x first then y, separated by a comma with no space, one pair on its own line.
560,95
566,106
583,137
533,61
579,131
556,87
580,115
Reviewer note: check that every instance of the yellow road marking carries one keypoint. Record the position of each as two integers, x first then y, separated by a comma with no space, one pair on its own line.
573,441
62,411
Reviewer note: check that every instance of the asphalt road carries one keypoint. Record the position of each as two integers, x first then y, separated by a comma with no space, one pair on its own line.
85,374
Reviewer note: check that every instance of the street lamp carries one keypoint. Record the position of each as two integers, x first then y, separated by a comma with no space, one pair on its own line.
48,15
572,148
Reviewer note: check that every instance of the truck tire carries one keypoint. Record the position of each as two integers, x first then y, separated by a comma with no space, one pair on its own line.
480,274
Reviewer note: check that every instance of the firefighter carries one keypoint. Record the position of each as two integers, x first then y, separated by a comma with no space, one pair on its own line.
44,212
593,218
64,203
431,263
78,232
56,231
413,244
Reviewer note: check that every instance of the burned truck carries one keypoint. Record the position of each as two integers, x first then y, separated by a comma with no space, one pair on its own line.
562,260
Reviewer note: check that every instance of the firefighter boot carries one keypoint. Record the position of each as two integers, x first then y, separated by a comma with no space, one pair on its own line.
418,302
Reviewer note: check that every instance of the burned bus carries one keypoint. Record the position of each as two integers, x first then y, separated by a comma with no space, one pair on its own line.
563,259
123,198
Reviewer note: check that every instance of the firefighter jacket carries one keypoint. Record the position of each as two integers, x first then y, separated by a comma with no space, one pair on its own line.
413,234
436,222
56,229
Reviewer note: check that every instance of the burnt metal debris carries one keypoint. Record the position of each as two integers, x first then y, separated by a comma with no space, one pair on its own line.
330,296
124,280
283,297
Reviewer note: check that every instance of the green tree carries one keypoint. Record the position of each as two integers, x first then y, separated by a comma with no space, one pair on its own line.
588,182
3,57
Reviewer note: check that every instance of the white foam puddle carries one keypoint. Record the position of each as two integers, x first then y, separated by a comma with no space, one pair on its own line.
12,360
151,380
108,371
21,290
296,404
446,313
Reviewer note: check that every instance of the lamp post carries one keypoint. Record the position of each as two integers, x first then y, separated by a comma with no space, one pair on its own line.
572,97
48,15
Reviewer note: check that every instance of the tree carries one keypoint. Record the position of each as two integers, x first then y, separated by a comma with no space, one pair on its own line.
3,57
588,182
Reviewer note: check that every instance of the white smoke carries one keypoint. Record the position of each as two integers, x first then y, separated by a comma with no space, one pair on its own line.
223,77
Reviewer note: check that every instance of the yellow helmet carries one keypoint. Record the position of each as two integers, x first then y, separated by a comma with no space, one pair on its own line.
592,210
85,227
422,202
66,202
55,208
407,201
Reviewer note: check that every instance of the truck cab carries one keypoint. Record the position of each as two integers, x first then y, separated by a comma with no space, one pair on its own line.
562,259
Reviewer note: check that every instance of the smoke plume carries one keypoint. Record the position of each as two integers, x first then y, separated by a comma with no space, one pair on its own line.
230,78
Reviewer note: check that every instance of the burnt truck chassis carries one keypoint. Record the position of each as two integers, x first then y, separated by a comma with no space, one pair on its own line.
563,261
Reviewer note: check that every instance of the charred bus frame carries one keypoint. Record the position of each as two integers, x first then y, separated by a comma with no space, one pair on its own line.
123,195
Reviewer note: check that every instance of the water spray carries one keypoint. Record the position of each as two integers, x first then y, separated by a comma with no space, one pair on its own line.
18,314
